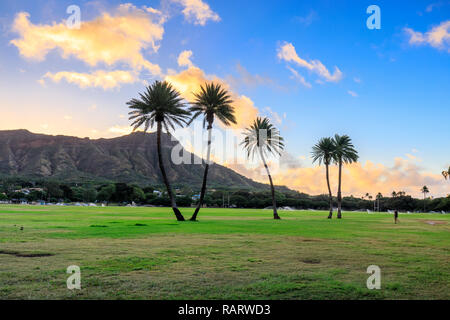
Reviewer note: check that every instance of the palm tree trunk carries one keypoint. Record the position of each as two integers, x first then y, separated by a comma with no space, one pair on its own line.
205,175
339,195
175,209
424,202
330,215
274,202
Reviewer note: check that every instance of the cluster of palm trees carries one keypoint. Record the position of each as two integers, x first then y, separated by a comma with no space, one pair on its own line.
163,106
337,150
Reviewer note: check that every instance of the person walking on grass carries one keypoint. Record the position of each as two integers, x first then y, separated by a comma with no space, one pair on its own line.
396,216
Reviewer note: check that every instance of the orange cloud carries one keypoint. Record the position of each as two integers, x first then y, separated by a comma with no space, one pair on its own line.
109,39
189,81
358,178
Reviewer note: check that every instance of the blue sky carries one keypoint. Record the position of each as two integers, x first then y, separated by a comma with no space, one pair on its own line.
392,98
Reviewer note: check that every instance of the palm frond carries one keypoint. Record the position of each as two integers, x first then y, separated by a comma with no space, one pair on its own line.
159,103
213,101
263,137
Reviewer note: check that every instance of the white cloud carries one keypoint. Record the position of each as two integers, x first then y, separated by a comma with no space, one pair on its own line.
433,6
98,79
308,19
288,53
352,93
197,11
299,78
184,59
438,37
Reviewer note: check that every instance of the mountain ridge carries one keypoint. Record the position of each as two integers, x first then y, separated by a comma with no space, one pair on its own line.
130,158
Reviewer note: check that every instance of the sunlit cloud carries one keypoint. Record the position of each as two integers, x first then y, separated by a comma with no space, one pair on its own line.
438,37
358,178
98,79
121,130
197,11
288,53
120,37
189,81
184,59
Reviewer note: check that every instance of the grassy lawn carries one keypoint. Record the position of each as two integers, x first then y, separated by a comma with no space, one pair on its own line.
143,253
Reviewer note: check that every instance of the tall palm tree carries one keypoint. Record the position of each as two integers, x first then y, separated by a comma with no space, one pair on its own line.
263,138
446,173
163,105
345,153
324,152
394,194
424,190
212,101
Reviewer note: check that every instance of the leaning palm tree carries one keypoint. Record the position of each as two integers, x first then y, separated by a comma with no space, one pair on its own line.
424,190
163,105
446,173
263,138
212,101
345,152
324,152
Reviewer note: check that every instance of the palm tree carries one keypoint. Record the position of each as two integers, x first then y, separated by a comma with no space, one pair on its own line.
424,190
324,152
446,173
212,101
160,104
394,194
379,196
263,138
345,152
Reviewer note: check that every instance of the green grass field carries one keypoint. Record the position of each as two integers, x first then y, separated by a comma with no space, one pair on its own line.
143,253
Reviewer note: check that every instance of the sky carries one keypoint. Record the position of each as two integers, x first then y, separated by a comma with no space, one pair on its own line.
313,67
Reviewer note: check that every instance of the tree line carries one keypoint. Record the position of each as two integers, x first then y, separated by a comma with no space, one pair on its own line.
124,194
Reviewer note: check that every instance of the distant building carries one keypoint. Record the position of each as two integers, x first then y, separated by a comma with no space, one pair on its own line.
196,197
158,193
27,191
